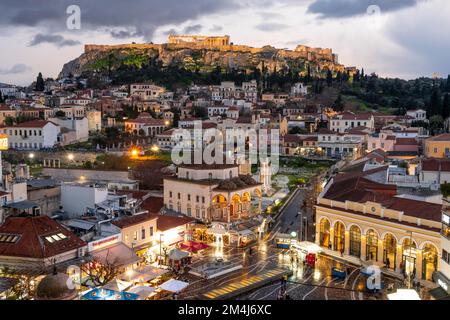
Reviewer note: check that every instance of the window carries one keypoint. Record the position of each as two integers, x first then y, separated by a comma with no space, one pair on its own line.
151,231
203,199
135,236
197,212
170,194
197,199
189,197
179,196
143,234
9,238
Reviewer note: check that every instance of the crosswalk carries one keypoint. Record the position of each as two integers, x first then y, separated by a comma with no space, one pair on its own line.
240,286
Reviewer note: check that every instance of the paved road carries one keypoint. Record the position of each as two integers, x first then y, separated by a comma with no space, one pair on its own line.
304,284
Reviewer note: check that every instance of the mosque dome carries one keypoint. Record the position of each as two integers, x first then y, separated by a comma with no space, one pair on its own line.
54,287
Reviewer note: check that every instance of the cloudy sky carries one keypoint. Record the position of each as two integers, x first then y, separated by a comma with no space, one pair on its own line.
395,38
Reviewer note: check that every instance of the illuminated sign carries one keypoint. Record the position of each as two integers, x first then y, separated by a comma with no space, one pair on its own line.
105,242
3,142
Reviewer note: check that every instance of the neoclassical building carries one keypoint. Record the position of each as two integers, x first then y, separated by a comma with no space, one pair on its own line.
213,193
361,218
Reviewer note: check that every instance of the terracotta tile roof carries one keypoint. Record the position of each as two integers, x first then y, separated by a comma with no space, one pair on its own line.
32,124
153,204
433,164
292,138
406,141
356,187
32,243
415,208
129,221
165,223
442,137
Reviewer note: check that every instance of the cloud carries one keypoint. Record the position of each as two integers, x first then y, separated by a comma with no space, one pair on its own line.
193,29
349,8
271,26
16,69
55,39
215,28
142,16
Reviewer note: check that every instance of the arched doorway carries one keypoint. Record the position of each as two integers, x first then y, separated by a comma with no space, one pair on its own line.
429,261
390,251
218,207
409,255
355,241
324,233
235,206
339,237
371,245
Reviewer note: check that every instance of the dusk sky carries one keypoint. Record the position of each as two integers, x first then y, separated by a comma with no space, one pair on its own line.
394,38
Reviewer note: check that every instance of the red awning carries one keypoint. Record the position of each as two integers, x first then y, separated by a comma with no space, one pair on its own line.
193,246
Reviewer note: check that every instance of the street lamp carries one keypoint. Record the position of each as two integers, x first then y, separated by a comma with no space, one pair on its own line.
160,247
31,156
70,156
154,148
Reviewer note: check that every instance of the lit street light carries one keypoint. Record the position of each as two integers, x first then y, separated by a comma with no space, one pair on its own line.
31,156
70,156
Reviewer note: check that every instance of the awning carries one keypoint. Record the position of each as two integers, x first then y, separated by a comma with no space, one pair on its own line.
176,255
118,254
142,291
143,274
118,285
174,285
22,205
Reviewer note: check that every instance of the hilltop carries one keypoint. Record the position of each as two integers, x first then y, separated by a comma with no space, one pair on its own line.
197,55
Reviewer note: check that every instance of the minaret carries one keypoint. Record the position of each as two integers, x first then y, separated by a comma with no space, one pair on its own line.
265,175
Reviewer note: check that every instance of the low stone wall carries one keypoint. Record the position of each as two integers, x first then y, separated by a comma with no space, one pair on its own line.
62,174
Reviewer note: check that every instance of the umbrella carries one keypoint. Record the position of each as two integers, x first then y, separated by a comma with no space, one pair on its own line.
106,294
174,285
192,246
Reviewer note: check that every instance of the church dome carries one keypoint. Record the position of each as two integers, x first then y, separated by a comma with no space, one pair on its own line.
54,287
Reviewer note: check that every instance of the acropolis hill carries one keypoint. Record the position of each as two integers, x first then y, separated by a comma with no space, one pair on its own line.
203,54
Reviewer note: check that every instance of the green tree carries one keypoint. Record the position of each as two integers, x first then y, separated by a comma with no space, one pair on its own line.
435,103
436,124
176,119
60,114
446,106
40,85
329,78
338,105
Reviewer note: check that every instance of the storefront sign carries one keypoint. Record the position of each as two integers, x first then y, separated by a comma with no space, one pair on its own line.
102,243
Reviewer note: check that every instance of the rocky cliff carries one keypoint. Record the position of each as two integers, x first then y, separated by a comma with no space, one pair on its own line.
104,60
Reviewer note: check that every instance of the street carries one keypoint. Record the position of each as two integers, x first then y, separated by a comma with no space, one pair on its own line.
304,284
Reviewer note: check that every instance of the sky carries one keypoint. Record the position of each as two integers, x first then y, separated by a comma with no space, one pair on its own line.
394,38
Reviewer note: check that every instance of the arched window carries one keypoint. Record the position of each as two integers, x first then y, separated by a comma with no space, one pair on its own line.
325,233
355,241
339,237
371,245
429,261
390,251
